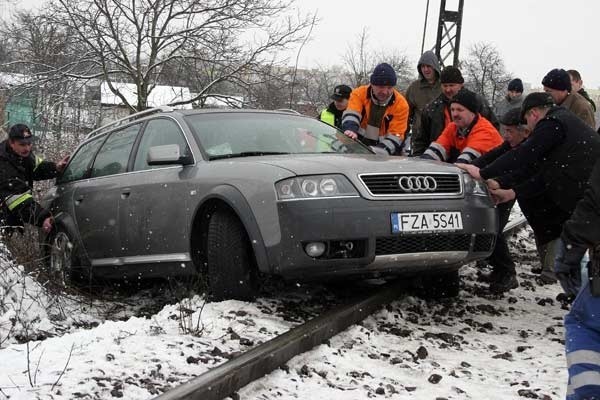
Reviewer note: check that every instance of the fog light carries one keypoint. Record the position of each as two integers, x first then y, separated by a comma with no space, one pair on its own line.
315,249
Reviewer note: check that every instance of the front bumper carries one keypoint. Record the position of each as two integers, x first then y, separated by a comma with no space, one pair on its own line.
376,251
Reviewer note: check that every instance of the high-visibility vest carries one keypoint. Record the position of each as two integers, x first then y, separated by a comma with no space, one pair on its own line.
328,117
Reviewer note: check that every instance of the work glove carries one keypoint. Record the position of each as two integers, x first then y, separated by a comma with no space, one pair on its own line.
567,266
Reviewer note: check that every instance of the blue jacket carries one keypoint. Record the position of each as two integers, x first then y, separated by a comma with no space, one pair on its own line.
582,345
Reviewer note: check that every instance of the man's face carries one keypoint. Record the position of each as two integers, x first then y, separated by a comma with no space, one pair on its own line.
576,84
428,72
557,95
513,94
514,134
21,148
341,104
450,89
461,116
382,93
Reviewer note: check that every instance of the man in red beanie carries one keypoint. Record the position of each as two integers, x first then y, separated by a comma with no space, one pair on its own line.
377,114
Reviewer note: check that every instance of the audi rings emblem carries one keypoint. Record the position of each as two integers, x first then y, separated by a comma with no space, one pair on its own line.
417,183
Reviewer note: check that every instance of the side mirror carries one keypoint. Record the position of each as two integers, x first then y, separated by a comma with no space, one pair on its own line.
166,155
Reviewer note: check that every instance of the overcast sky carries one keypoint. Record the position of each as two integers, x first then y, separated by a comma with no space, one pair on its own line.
533,36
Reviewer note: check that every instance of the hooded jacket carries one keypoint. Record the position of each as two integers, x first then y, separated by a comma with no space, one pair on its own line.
16,181
421,92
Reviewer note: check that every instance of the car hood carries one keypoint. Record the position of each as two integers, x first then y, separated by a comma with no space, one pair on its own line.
310,164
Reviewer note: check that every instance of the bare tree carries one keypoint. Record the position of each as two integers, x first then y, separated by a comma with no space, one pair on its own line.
358,60
137,41
484,70
361,60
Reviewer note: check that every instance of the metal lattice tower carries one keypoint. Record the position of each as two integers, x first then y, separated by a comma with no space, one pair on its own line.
447,43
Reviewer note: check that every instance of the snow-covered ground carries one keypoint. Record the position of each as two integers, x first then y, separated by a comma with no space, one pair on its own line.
476,346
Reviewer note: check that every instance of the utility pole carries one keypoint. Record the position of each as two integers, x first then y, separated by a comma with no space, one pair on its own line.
447,44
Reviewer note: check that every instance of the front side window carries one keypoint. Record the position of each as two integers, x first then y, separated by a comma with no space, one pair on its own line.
225,135
159,132
114,154
80,162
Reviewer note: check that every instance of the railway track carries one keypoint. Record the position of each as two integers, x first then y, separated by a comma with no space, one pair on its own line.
230,376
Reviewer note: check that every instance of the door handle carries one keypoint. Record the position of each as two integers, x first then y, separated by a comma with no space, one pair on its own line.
125,193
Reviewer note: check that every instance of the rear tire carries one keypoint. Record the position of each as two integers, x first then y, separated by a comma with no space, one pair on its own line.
231,267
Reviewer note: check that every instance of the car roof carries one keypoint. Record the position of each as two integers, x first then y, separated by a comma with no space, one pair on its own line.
169,110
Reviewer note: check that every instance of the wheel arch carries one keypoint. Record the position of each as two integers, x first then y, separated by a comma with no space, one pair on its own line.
67,223
226,197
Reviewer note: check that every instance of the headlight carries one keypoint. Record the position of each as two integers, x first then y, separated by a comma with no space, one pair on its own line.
474,186
315,187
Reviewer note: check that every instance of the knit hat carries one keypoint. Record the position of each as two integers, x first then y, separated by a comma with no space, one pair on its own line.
557,79
21,133
512,117
516,85
341,92
384,75
467,99
536,99
451,74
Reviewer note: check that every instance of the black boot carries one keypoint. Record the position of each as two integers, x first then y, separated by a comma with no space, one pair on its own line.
504,281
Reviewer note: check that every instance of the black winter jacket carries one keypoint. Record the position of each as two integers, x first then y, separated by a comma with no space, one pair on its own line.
556,157
16,181
583,228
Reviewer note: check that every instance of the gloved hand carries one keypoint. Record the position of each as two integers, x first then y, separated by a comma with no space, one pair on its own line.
567,266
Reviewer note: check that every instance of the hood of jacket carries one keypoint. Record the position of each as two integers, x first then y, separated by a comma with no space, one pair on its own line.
429,58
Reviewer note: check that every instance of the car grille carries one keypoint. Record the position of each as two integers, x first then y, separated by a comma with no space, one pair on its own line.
484,243
387,184
431,243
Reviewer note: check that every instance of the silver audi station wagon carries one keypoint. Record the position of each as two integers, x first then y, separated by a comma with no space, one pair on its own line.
235,195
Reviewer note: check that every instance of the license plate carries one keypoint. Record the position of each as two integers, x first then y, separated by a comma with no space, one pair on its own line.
426,222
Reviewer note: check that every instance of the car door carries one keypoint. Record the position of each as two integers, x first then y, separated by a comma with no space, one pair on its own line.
97,199
155,209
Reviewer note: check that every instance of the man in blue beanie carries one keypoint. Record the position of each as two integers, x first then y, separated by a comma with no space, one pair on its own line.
377,114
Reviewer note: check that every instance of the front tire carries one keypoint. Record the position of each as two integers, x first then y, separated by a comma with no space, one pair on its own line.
63,265
231,266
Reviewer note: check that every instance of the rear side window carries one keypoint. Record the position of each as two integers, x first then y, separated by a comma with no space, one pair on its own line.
80,162
114,154
159,132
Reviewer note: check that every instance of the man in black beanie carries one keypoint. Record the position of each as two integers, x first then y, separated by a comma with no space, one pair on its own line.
377,114
436,115
557,83
512,99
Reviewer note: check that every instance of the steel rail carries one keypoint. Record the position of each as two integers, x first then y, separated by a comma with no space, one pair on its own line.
232,375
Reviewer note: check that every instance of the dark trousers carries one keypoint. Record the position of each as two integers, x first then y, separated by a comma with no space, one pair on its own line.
544,218
500,259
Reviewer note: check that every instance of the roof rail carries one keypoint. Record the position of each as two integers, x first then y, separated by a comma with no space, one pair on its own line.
128,118
288,110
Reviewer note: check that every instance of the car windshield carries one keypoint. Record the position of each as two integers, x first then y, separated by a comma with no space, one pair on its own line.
227,135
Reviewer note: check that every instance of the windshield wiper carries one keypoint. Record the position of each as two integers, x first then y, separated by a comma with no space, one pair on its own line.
247,154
